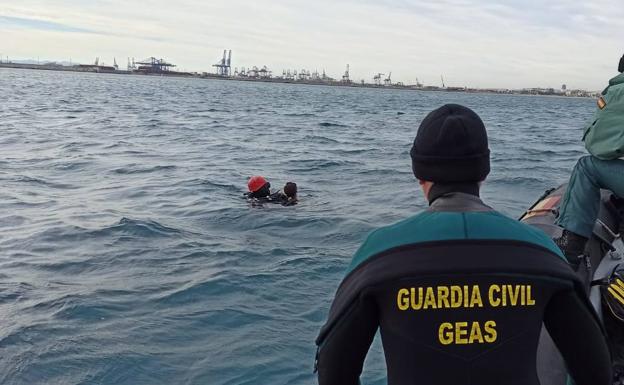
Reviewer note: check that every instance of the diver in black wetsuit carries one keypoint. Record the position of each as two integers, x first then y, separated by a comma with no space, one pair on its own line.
459,292
260,192
259,188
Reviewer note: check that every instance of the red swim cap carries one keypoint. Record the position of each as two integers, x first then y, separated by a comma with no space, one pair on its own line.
255,183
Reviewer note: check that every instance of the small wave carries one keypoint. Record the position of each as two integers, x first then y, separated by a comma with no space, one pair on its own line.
316,315
319,139
117,144
318,166
300,114
125,227
21,334
20,202
76,145
88,311
352,151
142,170
43,182
53,304
329,124
12,221
72,166
324,163
191,292
14,291
232,318
69,267
225,186
144,229
517,180
543,153
382,171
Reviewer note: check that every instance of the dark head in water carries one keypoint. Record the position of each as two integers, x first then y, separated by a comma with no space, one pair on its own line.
621,65
290,190
258,187
450,152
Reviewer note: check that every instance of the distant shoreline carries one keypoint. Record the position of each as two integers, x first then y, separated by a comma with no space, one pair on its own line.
331,83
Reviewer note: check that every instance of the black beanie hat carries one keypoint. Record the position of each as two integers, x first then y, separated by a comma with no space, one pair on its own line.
451,146
621,65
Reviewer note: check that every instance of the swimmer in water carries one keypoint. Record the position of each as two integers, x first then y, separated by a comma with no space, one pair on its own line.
258,187
287,196
260,192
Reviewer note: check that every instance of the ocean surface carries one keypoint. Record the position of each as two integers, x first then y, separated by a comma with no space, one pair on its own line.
128,256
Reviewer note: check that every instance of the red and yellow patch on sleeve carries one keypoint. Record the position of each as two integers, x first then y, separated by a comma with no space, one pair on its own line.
601,103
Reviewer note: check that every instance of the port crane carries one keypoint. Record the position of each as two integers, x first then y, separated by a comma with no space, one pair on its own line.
264,72
377,79
224,65
345,77
154,65
304,75
388,80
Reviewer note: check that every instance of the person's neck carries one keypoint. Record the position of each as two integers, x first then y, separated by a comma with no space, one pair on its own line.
440,189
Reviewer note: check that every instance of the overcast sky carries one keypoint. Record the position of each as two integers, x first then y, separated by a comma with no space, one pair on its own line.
474,43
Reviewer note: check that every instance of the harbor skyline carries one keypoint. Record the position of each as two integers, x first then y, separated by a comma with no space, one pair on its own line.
472,43
224,70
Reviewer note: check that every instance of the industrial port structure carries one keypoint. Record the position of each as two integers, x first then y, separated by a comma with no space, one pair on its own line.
224,66
223,70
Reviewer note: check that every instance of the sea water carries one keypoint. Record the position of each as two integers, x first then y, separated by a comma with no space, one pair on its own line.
128,256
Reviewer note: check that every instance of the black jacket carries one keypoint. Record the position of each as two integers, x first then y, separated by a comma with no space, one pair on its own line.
459,294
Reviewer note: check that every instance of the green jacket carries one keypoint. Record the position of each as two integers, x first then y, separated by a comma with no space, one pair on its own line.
604,137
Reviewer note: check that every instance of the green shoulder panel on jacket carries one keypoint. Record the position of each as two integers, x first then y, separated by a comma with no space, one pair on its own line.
617,80
493,225
432,226
604,137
